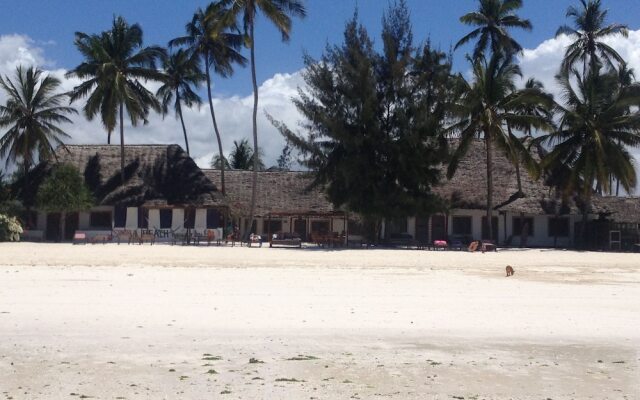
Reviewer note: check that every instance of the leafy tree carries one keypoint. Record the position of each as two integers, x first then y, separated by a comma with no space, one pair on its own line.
373,122
588,31
279,12
32,115
215,39
64,191
595,129
485,107
493,18
285,159
182,74
115,63
241,157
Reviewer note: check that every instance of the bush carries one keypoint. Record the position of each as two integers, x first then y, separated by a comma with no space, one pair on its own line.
10,229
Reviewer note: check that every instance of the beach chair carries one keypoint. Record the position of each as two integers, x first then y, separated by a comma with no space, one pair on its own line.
147,237
488,245
440,245
101,237
79,238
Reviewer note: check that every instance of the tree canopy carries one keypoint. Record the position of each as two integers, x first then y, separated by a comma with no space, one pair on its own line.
374,121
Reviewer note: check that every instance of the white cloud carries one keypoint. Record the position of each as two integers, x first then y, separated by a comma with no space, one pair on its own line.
543,63
233,114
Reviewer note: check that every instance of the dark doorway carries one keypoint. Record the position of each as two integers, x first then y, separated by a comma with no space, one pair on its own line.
53,227
438,227
494,229
71,225
422,229
300,227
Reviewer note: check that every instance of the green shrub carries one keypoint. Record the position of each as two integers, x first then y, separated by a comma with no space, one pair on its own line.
10,229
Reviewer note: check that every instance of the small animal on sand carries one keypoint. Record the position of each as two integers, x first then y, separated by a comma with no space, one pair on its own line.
510,270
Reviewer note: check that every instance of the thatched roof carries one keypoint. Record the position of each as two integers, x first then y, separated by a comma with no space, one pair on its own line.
468,187
283,193
155,175
618,209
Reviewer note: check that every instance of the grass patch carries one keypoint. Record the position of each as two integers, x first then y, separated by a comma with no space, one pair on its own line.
255,361
183,377
212,372
209,357
226,392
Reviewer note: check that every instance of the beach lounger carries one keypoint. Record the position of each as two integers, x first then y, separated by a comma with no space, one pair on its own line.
440,245
79,238
101,238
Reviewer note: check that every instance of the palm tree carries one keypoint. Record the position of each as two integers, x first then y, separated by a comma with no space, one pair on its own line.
182,73
493,18
279,12
213,38
596,128
241,157
588,32
115,62
32,114
540,110
486,106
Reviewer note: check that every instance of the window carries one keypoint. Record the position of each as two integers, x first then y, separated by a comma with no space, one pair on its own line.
166,218
558,227
120,217
213,218
319,226
143,218
31,220
397,225
190,218
520,223
271,226
100,220
461,225
494,228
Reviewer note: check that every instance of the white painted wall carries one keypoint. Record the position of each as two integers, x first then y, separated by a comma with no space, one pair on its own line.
154,218
177,221
132,218
201,219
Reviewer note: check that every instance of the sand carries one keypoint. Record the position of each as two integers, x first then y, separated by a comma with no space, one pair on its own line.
172,322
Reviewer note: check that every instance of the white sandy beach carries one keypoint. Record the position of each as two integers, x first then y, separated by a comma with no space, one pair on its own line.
171,322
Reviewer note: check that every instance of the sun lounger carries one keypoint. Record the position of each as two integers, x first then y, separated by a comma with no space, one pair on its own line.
79,238
147,237
285,239
440,245
488,245
104,238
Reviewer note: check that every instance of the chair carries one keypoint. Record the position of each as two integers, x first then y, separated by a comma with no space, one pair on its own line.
79,238
488,245
440,245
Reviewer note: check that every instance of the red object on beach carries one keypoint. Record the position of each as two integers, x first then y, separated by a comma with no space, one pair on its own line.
440,244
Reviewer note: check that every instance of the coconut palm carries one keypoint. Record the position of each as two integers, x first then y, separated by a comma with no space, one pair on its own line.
216,40
493,18
279,12
115,63
241,157
32,114
486,106
541,110
596,129
587,34
182,74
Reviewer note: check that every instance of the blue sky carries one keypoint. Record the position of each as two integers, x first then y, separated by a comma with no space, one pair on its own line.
52,24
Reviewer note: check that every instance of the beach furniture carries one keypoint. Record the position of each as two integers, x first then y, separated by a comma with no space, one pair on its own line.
488,245
122,235
287,239
101,238
79,238
440,245
147,237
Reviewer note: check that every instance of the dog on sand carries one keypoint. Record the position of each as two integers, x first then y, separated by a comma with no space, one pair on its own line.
510,270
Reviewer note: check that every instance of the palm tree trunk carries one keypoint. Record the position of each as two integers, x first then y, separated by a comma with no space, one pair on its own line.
63,218
184,129
121,143
254,185
516,163
215,123
109,137
487,138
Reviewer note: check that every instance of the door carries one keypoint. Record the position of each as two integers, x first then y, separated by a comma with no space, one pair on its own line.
422,229
71,224
53,227
438,227
300,227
